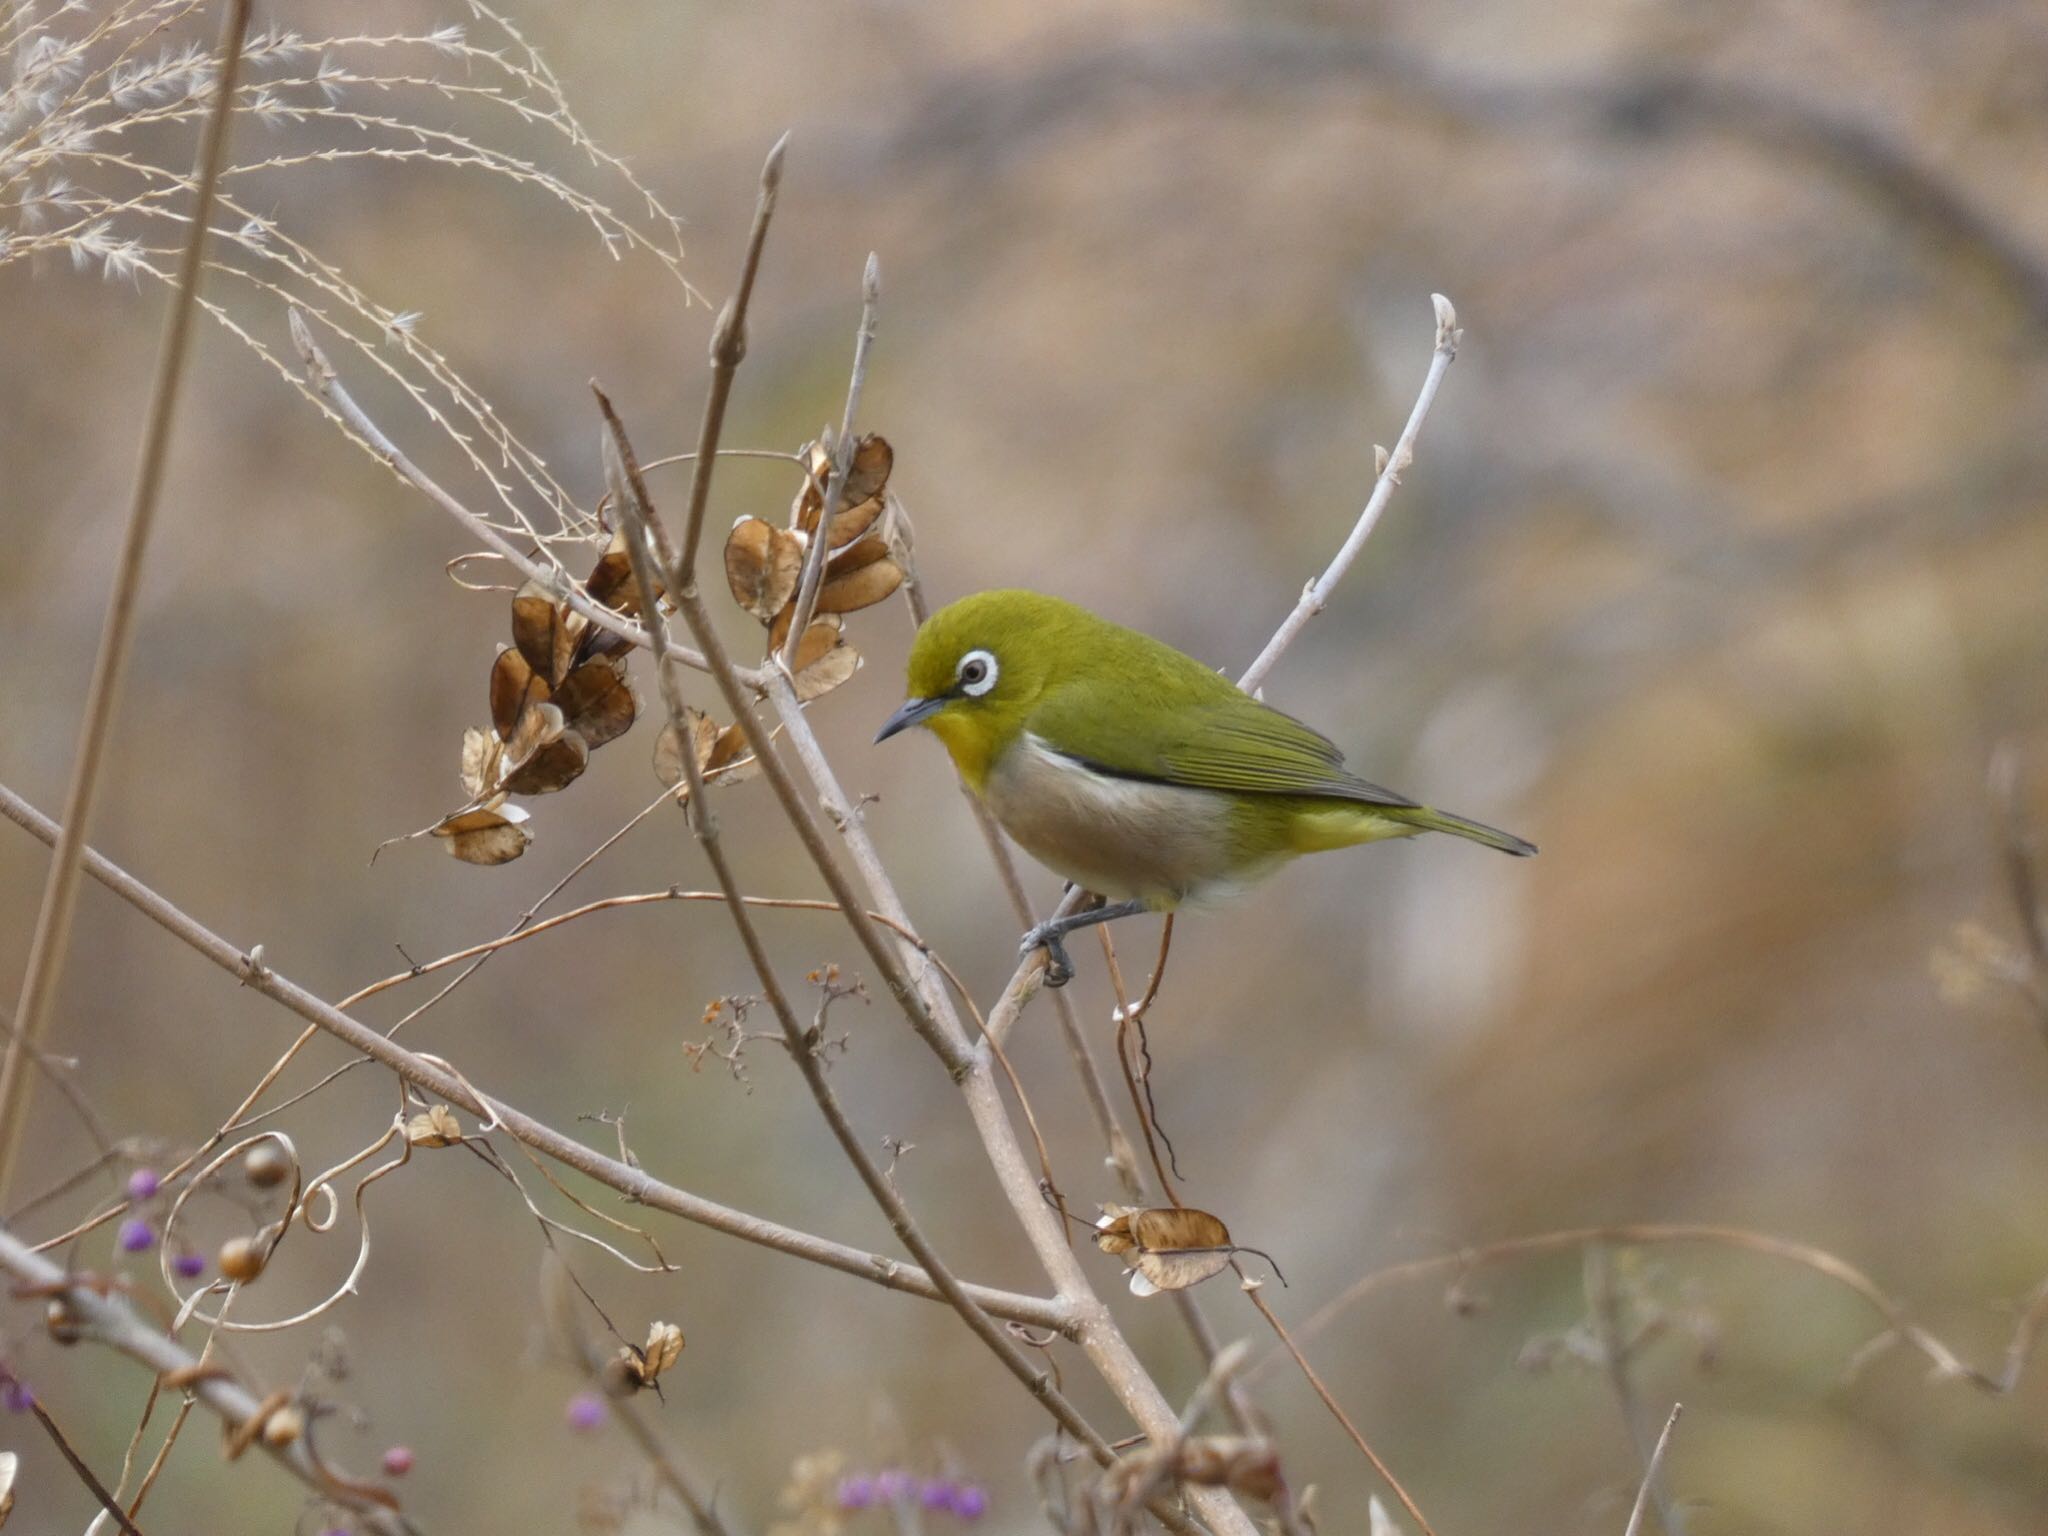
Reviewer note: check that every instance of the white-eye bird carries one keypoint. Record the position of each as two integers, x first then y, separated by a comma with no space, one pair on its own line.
1130,768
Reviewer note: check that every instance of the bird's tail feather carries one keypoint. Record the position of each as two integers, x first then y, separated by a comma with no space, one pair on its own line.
1423,819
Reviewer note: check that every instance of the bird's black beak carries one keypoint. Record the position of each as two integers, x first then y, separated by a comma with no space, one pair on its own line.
913,712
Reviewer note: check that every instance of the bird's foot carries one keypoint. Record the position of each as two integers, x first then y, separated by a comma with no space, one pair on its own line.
1059,970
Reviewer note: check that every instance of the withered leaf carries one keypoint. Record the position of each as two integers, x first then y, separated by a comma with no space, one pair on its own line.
541,632
1168,1248
513,685
762,566
481,754
436,1127
596,702
487,834
859,589
554,765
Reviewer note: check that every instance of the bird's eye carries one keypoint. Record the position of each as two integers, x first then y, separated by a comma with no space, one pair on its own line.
977,673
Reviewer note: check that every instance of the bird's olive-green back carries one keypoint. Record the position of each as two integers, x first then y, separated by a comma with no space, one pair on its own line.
1120,701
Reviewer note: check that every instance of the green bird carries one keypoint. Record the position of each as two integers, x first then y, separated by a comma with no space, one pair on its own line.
1132,769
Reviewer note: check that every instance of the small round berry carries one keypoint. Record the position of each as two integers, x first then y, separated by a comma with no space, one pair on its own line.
970,1501
15,1396
143,1184
936,1493
856,1492
586,1411
189,1266
398,1460
137,1236
265,1165
242,1259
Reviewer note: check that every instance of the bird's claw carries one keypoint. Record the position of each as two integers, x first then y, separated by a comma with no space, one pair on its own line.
1059,970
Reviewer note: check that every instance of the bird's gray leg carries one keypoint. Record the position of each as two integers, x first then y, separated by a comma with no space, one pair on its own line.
1059,970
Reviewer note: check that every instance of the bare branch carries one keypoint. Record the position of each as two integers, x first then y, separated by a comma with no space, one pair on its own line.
1316,596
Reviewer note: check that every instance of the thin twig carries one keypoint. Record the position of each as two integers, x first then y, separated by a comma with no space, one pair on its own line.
1617,1348
635,1184
842,466
728,347
1948,1365
60,890
671,1473
1386,1473
98,1489
1635,1515
1316,596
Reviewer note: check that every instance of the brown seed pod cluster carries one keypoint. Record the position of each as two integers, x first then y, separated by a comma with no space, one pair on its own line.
557,693
764,564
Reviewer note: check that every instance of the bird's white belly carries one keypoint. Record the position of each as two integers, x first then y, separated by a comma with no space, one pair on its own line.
1122,838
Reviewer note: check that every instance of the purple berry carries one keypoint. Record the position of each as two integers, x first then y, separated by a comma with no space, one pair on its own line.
856,1492
970,1502
398,1461
143,1184
137,1236
892,1486
936,1493
189,1266
14,1396
586,1411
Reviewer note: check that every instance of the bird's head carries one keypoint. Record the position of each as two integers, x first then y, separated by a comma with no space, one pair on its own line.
978,665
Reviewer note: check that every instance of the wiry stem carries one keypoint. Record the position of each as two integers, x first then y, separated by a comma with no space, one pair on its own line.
60,890
634,1183
110,1321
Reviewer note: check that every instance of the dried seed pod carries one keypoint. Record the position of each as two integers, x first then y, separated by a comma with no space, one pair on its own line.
265,1165
763,564
492,833
862,588
241,1259
1168,1247
62,1321
284,1427
554,765
436,1127
596,702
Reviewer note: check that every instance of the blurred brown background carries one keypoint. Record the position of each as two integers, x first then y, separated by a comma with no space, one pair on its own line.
1722,567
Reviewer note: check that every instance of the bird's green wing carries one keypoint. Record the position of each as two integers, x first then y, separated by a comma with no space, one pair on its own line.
1188,726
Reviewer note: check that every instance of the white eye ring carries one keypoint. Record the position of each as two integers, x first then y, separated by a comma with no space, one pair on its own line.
977,673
